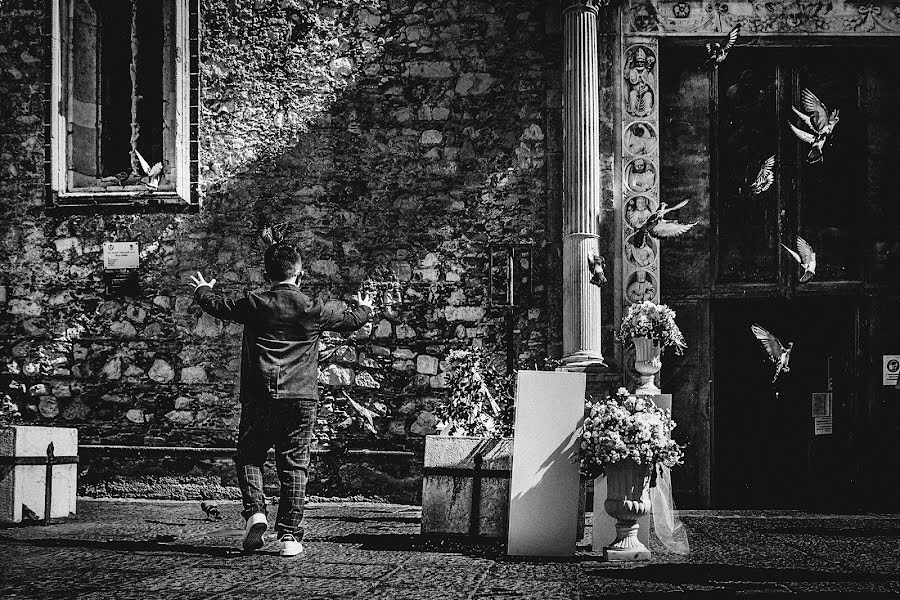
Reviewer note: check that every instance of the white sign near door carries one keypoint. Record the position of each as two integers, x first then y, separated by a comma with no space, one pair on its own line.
890,369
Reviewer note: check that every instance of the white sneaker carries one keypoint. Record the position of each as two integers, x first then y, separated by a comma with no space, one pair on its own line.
289,545
253,535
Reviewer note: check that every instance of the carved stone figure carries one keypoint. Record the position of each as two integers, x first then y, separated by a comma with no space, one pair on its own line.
640,139
640,175
643,255
641,288
640,82
638,210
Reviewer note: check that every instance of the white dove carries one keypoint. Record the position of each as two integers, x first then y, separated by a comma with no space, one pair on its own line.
596,263
817,118
659,227
806,258
143,169
780,355
765,178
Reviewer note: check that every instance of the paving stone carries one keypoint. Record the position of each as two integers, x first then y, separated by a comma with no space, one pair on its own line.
169,550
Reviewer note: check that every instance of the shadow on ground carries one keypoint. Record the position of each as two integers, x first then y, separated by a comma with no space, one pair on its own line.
712,574
158,544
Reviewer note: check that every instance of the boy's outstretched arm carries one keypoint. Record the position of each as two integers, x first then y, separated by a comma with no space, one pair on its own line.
337,317
216,305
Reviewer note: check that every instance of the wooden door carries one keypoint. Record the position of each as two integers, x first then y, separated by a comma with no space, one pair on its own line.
731,270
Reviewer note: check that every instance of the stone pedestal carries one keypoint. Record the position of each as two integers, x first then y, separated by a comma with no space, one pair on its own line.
465,490
581,187
628,499
23,472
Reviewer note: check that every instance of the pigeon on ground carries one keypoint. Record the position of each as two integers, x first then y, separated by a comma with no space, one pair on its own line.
28,514
659,227
717,52
815,116
596,263
806,258
765,178
211,510
779,354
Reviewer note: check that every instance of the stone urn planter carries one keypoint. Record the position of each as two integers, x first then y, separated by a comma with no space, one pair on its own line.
465,489
627,500
647,363
38,472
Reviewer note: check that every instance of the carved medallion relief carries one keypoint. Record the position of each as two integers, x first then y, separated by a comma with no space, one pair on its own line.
640,173
841,17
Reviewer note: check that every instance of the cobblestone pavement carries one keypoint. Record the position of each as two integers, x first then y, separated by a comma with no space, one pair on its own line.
162,550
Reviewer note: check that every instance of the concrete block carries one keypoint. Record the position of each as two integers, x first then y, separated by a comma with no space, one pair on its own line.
25,485
448,484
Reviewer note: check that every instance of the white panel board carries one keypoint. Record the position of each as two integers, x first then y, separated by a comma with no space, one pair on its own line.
544,491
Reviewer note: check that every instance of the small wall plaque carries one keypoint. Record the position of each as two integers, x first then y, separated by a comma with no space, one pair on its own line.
890,368
823,425
821,404
121,261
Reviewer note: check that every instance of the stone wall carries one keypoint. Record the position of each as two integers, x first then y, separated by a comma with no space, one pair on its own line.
396,138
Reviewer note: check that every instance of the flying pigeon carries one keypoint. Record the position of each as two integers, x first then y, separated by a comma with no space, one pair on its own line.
211,510
273,234
659,227
806,258
765,178
143,169
816,117
368,416
780,355
718,51
596,263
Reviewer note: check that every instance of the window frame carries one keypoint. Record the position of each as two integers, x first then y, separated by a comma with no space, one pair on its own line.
186,130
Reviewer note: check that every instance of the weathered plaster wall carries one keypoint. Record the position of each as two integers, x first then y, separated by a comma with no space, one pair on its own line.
397,138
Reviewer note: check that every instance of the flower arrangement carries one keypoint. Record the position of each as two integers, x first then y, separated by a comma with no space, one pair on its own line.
482,401
626,427
654,321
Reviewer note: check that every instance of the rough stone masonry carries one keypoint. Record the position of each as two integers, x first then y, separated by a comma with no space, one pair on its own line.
396,138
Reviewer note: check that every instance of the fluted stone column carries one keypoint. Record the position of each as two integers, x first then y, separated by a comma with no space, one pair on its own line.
581,185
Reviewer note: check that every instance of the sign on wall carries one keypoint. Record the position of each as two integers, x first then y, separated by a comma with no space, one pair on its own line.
121,261
890,369
821,404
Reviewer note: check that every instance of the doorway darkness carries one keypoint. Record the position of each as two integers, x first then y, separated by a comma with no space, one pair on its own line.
765,452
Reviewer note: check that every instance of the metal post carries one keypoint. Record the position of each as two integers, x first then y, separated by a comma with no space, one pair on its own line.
48,490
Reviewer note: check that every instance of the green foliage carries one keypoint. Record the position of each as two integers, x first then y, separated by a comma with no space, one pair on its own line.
482,400
9,411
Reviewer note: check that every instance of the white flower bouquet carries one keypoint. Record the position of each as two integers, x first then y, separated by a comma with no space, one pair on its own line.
626,427
654,321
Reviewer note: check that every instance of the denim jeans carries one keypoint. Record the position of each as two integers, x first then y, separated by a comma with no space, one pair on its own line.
288,426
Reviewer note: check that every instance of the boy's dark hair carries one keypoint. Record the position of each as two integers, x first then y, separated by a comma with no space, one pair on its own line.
282,261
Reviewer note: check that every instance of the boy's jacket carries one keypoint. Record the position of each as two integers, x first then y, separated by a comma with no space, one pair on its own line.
282,326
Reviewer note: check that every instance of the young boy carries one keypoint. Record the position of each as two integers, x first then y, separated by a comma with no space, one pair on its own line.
279,391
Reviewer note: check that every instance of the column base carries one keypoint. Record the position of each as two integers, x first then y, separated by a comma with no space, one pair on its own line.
625,554
583,361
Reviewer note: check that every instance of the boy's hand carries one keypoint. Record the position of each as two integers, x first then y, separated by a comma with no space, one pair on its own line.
363,299
199,281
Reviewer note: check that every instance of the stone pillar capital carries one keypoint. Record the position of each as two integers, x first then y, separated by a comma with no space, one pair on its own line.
584,5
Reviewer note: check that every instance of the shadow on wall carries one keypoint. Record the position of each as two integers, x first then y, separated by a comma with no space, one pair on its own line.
396,139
